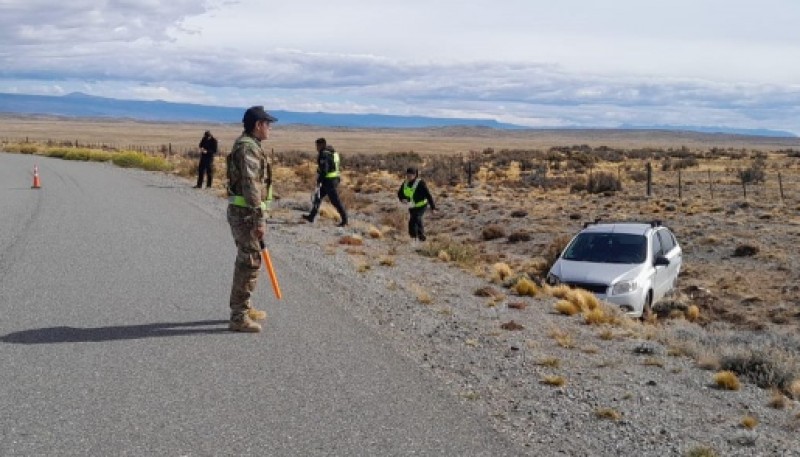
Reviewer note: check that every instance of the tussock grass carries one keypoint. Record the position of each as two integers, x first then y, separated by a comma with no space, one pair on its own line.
443,256
693,313
560,291
123,159
566,307
551,362
701,451
608,414
459,252
777,400
501,271
653,362
374,233
526,287
138,160
749,422
554,380
794,389
727,380
562,337
351,240
607,334
584,299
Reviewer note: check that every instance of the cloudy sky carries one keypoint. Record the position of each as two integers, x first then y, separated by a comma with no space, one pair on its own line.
732,63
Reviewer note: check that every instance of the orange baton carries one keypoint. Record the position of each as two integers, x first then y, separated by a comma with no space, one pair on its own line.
268,266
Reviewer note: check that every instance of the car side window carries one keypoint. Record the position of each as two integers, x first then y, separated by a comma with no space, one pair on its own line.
655,243
667,241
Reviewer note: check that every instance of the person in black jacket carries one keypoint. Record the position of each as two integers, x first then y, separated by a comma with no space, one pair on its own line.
208,149
415,193
328,176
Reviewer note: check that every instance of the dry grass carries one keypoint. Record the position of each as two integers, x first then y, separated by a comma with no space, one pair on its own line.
794,389
555,381
701,451
551,362
607,334
653,362
692,313
562,337
501,271
526,287
749,422
708,362
608,414
727,380
566,307
374,233
777,399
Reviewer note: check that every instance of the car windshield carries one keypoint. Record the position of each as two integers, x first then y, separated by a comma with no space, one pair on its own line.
607,248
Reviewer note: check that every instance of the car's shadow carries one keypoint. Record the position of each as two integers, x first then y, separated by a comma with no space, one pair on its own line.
53,335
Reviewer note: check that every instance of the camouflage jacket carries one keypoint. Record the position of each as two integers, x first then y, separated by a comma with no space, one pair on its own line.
249,172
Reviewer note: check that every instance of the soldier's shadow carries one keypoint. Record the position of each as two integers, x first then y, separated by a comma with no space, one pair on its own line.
53,335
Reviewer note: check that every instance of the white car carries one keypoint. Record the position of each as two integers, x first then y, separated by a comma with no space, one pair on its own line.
632,265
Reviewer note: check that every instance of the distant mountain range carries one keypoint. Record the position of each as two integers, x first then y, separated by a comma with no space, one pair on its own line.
78,104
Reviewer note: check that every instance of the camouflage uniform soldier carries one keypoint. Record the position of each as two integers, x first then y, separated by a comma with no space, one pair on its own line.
249,184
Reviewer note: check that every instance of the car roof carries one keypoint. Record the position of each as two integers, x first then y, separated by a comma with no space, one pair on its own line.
633,228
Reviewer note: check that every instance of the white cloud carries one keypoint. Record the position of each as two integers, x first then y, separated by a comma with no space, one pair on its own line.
575,62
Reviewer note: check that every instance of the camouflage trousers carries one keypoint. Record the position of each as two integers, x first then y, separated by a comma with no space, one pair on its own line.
248,261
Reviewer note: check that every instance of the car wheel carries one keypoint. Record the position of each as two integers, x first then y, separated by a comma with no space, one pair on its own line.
647,309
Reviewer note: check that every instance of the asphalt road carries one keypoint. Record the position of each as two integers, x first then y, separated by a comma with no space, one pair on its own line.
113,337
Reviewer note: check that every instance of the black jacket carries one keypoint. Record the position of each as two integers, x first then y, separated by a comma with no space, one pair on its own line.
325,163
420,193
209,143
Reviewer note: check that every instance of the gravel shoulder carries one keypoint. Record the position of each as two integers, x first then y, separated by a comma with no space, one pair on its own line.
627,395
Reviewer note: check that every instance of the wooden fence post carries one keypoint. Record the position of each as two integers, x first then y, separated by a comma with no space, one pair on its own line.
680,185
710,184
649,179
780,185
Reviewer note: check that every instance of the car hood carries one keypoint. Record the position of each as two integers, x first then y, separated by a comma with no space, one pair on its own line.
596,273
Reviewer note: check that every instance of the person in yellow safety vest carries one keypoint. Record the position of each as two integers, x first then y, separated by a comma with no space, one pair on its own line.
328,177
249,184
415,193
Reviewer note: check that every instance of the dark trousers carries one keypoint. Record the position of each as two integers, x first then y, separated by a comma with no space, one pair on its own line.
206,169
415,228
328,189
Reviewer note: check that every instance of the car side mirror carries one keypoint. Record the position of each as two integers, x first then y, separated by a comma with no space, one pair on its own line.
661,261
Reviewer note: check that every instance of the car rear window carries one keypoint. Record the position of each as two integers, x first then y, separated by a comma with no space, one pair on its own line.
607,248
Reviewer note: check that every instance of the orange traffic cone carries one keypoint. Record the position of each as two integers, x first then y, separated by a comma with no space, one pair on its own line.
36,183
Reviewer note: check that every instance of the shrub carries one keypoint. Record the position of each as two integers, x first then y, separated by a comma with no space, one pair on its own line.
554,249
493,232
727,380
602,182
519,236
763,369
745,250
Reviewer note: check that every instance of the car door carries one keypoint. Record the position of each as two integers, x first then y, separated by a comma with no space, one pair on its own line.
672,252
660,274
